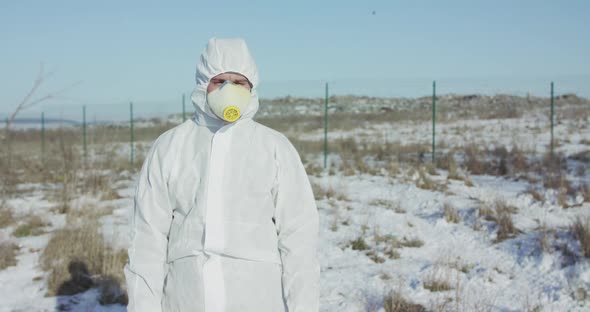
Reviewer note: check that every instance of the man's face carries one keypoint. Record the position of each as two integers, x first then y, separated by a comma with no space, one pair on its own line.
236,78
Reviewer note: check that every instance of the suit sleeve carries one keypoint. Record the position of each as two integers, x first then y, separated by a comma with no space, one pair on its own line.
297,224
150,222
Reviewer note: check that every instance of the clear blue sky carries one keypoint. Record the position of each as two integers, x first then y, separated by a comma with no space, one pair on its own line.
147,50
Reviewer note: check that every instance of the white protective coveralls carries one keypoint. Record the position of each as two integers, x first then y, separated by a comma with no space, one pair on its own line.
224,216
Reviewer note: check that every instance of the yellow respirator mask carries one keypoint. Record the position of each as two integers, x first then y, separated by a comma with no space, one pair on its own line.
229,101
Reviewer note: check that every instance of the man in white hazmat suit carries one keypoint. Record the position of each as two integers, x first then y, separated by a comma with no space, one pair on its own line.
224,216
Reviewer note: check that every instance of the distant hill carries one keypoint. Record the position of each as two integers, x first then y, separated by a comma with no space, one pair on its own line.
38,121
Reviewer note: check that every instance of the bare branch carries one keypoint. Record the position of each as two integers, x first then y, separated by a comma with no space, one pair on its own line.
27,102
54,95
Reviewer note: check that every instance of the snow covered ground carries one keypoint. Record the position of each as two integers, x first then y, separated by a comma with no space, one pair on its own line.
383,232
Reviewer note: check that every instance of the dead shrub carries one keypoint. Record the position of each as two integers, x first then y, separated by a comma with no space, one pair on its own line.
359,244
500,151
545,241
98,184
33,226
386,203
552,163
581,231
391,252
6,217
7,254
321,192
518,160
485,211
424,182
584,189
450,213
557,180
393,168
447,162
473,161
394,302
438,279
86,213
375,257
313,169
411,242
503,216
502,207
431,169
580,170
536,195
78,256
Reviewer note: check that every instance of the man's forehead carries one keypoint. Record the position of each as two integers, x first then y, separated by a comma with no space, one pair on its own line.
230,75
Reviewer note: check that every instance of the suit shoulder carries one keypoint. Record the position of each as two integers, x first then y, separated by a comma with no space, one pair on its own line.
272,134
167,138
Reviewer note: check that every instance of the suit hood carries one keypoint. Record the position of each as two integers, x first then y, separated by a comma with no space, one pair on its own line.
223,55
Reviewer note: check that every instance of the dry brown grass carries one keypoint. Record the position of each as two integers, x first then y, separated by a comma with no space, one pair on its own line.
557,180
387,204
411,242
321,192
518,160
498,161
503,217
359,244
78,258
6,217
64,163
506,228
484,210
584,189
501,214
395,302
581,231
447,162
7,254
546,239
438,279
375,158
473,161
536,195
313,170
450,213
581,170
33,225
424,181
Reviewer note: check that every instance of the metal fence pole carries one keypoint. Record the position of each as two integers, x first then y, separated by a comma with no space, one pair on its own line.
433,120
183,109
132,137
43,137
552,116
326,129
84,131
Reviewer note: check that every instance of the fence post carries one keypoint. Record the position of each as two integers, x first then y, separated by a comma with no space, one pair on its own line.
183,109
326,129
84,131
132,138
43,137
552,114
433,120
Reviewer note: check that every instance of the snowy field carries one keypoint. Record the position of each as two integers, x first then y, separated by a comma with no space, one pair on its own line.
489,227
